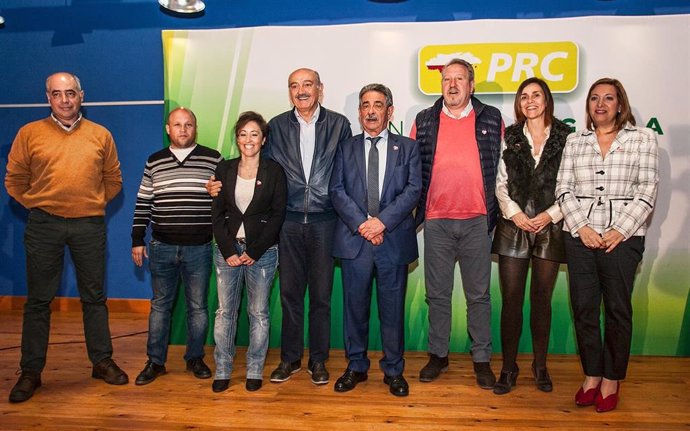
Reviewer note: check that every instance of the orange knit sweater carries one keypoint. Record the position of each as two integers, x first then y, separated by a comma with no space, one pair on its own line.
69,174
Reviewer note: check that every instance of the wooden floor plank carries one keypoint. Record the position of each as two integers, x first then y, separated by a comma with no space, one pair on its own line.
656,395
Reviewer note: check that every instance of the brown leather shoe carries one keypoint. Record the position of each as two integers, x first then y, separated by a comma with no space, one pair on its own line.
27,383
108,370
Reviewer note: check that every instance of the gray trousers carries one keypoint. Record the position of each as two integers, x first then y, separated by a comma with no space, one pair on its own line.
466,241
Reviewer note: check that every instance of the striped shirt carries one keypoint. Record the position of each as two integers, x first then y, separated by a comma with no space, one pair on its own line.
616,192
173,199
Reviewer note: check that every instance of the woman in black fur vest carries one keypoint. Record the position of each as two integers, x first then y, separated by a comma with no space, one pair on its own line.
529,228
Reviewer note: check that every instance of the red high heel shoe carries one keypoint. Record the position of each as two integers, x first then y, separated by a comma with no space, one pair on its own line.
609,403
587,398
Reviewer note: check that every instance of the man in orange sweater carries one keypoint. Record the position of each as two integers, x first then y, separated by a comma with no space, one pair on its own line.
64,169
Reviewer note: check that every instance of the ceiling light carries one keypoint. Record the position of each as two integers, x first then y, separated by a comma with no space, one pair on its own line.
183,6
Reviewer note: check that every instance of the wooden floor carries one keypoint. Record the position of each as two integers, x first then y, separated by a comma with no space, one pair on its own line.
656,395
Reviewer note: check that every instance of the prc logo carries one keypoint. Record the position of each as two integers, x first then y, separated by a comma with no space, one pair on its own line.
499,68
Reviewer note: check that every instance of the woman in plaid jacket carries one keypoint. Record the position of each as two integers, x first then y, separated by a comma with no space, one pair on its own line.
606,188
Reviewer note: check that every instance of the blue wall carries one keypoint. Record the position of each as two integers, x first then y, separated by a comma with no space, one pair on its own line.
115,48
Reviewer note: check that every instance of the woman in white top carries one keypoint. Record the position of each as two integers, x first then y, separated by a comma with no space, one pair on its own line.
247,216
606,188
529,228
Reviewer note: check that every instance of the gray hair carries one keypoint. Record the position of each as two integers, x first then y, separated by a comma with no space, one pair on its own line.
461,62
72,75
378,88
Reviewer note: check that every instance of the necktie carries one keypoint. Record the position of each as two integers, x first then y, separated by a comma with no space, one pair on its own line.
373,178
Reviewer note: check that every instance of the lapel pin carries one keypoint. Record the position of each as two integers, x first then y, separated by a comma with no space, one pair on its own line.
395,148
483,131
258,182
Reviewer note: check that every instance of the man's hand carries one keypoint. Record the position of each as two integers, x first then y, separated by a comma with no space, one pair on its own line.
612,238
213,187
377,240
138,254
590,238
371,228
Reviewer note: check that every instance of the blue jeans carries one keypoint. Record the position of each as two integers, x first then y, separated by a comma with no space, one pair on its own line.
258,279
167,262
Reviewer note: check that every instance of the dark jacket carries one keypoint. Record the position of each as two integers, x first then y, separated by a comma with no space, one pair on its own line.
307,202
488,134
525,180
399,195
264,215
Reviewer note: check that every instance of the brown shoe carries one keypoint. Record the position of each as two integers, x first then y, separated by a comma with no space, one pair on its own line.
28,382
108,370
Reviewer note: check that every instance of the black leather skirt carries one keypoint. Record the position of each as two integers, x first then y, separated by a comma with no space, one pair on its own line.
510,240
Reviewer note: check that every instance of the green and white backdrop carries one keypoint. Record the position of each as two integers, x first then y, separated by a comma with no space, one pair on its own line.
221,73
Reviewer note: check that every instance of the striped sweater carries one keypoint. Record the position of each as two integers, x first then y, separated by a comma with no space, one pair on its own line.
172,197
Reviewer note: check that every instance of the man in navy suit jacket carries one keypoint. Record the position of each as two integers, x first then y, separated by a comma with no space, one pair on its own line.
375,235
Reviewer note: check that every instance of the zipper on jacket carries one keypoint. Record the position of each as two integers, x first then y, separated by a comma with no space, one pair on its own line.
306,203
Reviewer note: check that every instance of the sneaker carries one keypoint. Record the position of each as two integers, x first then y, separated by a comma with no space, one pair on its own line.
318,372
285,370
485,377
433,368
199,368
149,373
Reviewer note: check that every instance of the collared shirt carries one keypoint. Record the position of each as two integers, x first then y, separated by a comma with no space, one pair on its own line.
465,112
508,206
307,140
66,128
615,192
382,146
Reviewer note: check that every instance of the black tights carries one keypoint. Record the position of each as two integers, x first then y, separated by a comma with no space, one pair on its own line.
513,275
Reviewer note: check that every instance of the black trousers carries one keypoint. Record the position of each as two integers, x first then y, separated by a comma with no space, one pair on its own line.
45,239
306,260
595,275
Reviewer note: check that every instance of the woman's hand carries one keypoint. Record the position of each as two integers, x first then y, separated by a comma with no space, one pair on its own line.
523,222
234,260
611,239
541,220
246,260
590,238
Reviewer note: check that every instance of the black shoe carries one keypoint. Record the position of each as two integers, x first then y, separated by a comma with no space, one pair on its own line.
26,385
319,373
253,384
506,382
220,385
108,370
433,368
397,385
542,378
199,368
285,370
349,380
485,377
149,373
